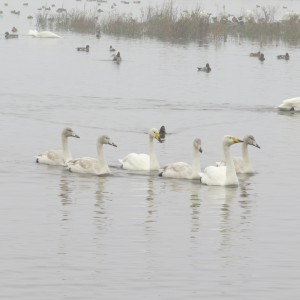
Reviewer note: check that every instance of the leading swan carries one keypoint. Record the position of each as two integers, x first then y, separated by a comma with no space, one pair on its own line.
223,175
292,104
58,157
143,162
90,165
243,164
182,169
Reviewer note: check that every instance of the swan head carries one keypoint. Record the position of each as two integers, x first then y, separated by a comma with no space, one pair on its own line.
229,140
197,145
153,133
104,139
250,140
68,132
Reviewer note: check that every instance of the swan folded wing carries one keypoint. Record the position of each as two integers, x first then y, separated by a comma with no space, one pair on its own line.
51,157
214,175
177,170
83,165
134,161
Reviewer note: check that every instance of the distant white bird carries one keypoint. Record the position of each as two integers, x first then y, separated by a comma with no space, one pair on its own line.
58,157
90,165
243,164
43,34
223,175
139,162
292,104
182,169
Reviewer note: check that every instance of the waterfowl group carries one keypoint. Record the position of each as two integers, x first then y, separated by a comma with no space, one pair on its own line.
10,35
243,164
223,174
86,48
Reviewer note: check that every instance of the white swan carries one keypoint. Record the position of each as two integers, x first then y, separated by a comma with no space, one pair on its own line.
223,175
140,162
182,169
243,164
292,104
90,165
43,34
58,157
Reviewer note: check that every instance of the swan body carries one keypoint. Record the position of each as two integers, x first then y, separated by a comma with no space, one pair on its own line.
90,165
223,175
182,169
143,162
290,104
43,34
58,157
243,164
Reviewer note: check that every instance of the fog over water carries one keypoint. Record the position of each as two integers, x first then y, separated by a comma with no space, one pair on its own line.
133,235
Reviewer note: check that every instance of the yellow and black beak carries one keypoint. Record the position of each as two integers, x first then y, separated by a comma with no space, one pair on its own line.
236,140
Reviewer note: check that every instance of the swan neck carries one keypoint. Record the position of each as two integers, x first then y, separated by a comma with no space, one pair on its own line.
246,159
66,152
101,157
196,166
230,168
154,165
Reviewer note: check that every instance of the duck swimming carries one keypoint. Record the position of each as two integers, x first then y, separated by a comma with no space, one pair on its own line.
117,58
206,69
261,57
285,56
256,54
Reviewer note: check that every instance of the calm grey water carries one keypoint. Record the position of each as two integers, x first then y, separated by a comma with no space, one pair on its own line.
132,235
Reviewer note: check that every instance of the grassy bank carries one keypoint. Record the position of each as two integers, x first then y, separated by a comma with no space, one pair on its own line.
168,23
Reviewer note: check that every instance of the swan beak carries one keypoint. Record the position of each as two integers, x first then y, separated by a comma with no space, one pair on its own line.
256,145
237,140
200,150
112,144
157,136
75,135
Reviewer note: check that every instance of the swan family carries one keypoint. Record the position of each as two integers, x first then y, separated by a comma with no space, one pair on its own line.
223,174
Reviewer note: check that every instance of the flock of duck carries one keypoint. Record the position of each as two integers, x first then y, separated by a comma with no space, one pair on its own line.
223,173
258,54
